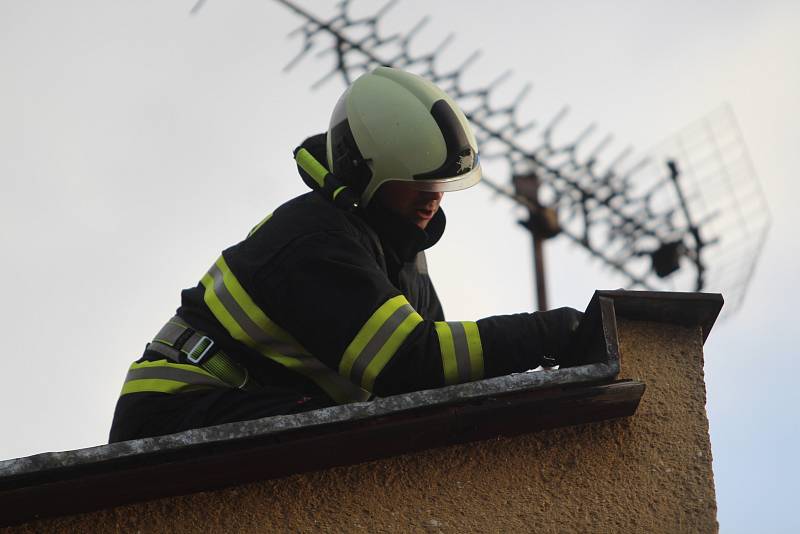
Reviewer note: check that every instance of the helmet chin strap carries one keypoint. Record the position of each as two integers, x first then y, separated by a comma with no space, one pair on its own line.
328,185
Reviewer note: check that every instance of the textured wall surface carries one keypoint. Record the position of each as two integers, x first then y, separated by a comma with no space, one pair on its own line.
647,473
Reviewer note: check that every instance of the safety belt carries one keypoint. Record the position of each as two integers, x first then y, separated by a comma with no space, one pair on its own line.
183,344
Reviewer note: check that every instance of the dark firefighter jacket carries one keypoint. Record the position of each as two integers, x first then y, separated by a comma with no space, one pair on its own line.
330,305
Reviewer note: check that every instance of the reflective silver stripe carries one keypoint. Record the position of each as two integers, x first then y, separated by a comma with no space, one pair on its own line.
236,317
255,332
422,263
178,375
378,341
462,351
315,368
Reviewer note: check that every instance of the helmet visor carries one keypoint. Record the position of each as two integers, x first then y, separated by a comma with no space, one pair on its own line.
454,183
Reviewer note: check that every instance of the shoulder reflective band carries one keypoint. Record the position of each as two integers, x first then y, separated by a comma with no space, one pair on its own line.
247,323
378,340
313,167
259,225
462,352
162,376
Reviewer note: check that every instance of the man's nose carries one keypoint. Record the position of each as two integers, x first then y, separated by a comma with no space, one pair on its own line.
431,195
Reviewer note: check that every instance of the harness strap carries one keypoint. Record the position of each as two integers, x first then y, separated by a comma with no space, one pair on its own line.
181,343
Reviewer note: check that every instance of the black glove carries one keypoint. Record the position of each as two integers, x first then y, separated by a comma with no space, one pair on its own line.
515,343
556,328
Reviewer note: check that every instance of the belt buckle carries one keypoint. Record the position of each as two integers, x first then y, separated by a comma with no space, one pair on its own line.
197,359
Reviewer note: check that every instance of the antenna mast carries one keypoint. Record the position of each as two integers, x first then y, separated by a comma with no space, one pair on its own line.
639,220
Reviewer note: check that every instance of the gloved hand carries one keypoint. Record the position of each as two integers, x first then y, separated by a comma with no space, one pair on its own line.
556,328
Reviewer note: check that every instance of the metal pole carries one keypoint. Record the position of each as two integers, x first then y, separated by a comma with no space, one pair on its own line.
542,223
538,266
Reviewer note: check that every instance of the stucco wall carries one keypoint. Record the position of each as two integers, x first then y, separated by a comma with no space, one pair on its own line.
647,473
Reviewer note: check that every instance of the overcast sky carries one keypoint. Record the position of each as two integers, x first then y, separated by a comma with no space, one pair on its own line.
137,141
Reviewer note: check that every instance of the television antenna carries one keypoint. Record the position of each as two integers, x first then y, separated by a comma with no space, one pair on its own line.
689,215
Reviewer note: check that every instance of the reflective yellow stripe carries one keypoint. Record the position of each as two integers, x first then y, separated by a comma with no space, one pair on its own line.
367,331
461,351
378,340
221,313
313,167
338,190
246,322
251,308
157,385
162,376
170,365
259,225
338,388
448,350
389,349
475,350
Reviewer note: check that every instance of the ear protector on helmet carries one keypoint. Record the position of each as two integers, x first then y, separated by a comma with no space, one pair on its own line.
316,176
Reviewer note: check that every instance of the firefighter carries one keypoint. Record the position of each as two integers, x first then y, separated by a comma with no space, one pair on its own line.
328,299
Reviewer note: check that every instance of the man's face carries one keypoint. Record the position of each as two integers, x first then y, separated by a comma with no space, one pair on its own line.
415,206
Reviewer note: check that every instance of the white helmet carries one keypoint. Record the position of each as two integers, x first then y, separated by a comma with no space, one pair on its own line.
391,125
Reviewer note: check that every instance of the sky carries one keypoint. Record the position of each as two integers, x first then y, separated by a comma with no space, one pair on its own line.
137,141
